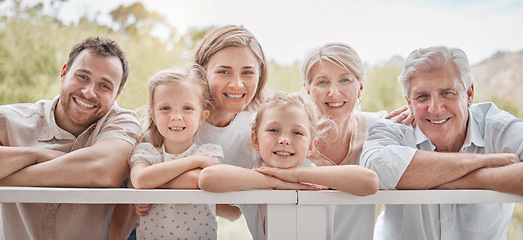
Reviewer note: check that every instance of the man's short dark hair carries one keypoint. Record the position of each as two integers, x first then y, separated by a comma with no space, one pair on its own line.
103,47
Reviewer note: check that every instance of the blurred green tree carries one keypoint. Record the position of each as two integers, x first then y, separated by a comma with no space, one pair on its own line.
381,90
136,19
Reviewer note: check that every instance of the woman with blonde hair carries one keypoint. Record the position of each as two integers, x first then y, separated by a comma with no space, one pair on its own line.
333,76
236,73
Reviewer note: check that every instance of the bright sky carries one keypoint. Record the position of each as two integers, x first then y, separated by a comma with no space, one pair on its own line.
377,29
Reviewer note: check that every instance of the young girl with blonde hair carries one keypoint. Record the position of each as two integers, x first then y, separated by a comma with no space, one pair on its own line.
178,105
284,147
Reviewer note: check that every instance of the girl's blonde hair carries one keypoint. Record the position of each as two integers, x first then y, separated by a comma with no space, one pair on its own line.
193,78
233,36
317,124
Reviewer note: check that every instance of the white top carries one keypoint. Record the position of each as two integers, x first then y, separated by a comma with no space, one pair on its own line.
351,221
171,221
255,214
388,151
235,139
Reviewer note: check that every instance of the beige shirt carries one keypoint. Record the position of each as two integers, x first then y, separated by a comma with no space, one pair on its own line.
34,125
361,122
351,221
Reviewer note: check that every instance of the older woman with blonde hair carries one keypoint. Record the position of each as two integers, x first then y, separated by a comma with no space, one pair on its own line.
333,76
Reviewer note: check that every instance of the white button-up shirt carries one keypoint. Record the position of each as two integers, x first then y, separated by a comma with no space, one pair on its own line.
390,148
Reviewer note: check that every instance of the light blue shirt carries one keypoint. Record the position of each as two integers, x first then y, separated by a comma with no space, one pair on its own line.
388,151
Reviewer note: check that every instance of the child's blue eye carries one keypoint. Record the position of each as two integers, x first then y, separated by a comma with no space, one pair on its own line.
272,130
298,133
187,108
165,108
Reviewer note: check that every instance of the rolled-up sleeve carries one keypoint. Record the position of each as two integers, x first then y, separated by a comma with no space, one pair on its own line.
119,123
388,151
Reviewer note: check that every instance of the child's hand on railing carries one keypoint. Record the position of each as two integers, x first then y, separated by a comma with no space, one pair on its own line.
206,161
142,209
284,185
317,186
289,179
283,174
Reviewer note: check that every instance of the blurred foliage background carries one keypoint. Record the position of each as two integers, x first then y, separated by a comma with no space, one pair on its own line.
34,45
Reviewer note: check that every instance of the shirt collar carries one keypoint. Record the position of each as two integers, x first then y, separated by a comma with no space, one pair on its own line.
473,136
474,133
50,128
190,151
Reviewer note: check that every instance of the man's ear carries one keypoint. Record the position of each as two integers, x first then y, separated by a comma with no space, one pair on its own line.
63,72
470,95
116,98
254,140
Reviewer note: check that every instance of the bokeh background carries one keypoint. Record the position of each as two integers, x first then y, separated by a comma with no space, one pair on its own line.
37,35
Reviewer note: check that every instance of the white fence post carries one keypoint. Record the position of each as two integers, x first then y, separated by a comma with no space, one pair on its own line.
311,220
281,222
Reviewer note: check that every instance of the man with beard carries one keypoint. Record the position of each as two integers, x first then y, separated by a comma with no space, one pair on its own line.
81,138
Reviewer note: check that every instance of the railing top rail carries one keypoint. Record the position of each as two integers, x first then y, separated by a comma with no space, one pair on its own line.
408,197
124,195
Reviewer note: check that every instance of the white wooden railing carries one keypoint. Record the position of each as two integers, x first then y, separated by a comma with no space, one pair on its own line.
290,214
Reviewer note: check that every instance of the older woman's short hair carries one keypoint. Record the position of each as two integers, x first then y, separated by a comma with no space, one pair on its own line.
339,54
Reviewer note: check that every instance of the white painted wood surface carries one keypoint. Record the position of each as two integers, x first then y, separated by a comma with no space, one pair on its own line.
290,214
280,223
126,195
407,197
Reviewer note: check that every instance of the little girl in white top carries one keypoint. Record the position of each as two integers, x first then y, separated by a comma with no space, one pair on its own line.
284,132
178,105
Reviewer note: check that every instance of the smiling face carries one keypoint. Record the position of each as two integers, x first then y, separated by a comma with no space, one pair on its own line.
177,113
233,74
440,102
89,89
283,143
333,89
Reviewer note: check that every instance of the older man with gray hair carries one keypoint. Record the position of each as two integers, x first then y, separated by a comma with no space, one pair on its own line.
454,145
